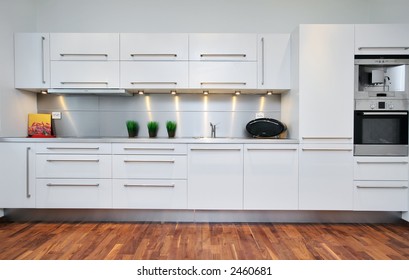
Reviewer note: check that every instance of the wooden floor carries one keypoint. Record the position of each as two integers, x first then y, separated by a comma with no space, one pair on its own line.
152,241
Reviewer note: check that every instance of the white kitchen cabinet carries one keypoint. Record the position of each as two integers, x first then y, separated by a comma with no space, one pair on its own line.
223,46
215,176
382,39
85,74
149,194
154,46
326,83
222,75
149,149
326,177
84,46
17,174
270,177
381,168
74,148
32,60
154,74
273,61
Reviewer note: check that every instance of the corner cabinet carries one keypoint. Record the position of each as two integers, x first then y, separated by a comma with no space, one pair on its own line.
32,60
17,173
215,176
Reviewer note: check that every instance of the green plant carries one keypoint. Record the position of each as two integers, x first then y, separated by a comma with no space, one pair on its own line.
171,125
132,125
153,126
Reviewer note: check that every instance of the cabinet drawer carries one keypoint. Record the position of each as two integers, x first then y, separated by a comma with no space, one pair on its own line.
73,193
223,46
85,74
84,46
73,148
219,74
73,166
148,46
149,149
149,167
150,194
154,74
381,195
381,168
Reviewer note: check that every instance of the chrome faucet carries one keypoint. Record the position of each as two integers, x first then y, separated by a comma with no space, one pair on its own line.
213,132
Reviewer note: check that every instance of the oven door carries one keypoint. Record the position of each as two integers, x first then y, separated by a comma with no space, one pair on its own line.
381,133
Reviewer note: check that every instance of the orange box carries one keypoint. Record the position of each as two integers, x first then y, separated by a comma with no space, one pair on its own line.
40,125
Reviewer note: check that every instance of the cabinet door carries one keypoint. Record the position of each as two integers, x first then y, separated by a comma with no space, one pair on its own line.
32,60
17,175
381,168
270,177
326,177
382,39
154,74
154,46
84,46
149,149
215,176
85,74
223,46
222,75
273,61
326,81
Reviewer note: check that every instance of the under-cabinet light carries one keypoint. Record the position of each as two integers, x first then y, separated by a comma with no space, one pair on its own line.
205,92
269,92
237,93
140,92
173,92
44,92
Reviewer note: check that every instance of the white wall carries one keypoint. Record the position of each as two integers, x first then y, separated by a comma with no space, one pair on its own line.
211,15
15,16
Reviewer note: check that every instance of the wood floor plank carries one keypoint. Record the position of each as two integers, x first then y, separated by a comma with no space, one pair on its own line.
207,241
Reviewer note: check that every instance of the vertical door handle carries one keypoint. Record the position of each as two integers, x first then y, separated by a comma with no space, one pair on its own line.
262,61
42,60
28,195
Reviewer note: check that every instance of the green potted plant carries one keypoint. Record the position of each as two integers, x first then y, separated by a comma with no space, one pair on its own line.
171,128
132,127
153,128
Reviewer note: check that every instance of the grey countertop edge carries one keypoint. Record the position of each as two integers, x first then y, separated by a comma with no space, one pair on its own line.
191,140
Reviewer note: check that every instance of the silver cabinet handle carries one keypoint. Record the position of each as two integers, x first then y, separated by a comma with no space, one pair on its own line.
272,149
148,149
374,48
382,162
262,61
72,160
326,137
149,185
28,195
84,83
327,149
154,54
223,83
223,55
72,148
148,161
42,60
154,83
382,187
72,185
84,54
385,113
215,149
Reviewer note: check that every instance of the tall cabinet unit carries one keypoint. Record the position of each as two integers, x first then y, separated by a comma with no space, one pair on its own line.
326,88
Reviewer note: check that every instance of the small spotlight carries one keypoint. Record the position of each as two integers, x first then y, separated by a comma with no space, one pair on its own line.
205,92
140,92
173,92
269,92
237,93
44,92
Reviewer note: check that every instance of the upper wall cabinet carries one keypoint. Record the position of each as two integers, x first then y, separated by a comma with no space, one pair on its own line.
152,46
382,39
84,46
32,60
230,47
273,58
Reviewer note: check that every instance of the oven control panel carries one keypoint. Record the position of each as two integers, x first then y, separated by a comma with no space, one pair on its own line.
379,105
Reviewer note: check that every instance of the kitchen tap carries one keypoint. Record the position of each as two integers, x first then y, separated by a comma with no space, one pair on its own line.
213,132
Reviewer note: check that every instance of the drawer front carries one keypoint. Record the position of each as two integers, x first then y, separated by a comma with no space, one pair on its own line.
154,74
74,193
154,46
84,46
374,168
73,148
220,75
149,167
149,149
85,74
150,194
73,166
381,195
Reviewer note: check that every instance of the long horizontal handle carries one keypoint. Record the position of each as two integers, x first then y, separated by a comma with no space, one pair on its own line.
85,83
72,185
150,161
154,54
382,162
375,48
72,148
154,83
327,149
223,83
72,160
272,149
326,137
385,113
382,187
149,185
214,149
148,149
84,54
223,55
